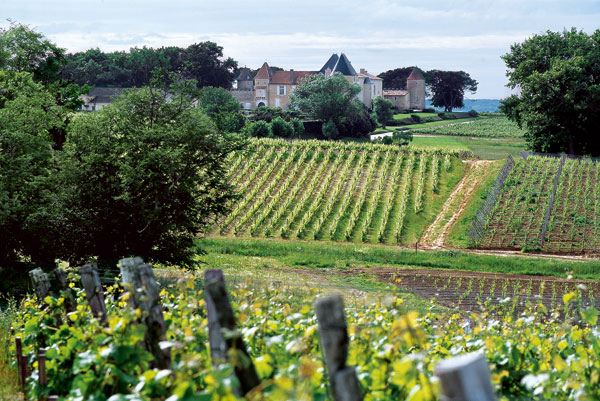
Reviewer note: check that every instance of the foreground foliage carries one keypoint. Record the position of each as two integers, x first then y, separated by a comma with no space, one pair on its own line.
538,354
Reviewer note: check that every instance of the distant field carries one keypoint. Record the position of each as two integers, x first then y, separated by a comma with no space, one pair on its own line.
335,191
574,224
497,127
484,148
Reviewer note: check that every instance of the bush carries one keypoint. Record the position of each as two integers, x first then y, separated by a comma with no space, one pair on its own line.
330,130
358,124
267,114
430,110
473,113
298,127
415,118
260,129
282,129
442,115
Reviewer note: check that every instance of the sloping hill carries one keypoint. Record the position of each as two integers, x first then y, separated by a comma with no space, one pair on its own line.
336,191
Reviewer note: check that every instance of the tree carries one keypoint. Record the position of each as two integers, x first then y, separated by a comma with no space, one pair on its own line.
558,75
260,129
143,177
25,50
325,98
448,88
28,115
396,79
281,128
220,105
384,109
204,62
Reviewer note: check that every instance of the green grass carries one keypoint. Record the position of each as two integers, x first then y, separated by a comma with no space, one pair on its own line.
442,122
485,148
457,236
9,389
346,256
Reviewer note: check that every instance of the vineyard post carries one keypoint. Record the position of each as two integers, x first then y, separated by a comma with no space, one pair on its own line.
334,340
222,332
90,280
20,367
465,377
43,379
140,281
40,282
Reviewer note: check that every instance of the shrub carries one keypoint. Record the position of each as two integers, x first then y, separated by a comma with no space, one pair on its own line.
298,127
260,129
415,118
330,130
281,128
473,113
442,115
429,110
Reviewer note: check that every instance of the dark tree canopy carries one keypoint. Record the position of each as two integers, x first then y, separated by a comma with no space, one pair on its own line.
396,79
448,88
202,61
558,75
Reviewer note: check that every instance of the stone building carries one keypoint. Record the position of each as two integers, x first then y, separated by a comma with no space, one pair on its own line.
273,89
413,97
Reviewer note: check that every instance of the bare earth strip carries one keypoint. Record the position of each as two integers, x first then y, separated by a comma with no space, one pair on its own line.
435,235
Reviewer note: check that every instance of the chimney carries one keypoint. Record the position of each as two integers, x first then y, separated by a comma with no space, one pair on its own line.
292,76
363,71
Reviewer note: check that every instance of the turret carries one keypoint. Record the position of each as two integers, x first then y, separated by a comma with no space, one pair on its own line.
415,83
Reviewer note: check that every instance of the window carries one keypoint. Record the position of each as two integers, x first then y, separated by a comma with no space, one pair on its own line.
277,102
281,90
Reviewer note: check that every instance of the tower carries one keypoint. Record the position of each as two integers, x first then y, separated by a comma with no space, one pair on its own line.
415,83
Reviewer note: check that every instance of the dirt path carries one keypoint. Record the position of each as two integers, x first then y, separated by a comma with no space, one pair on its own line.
435,235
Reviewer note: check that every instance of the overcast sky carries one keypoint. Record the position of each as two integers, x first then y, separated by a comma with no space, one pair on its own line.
377,35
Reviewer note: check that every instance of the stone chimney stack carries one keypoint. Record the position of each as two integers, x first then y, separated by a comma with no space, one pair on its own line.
292,76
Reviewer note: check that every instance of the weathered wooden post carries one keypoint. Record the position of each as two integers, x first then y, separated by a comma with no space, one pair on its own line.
465,378
40,282
90,280
140,281
43,380
334,341
19,356
222,332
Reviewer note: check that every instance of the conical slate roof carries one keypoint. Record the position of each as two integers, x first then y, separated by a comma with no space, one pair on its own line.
416,75
343,66
264,72
330,63
244,75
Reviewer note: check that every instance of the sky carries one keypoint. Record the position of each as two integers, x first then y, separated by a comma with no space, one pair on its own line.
377,35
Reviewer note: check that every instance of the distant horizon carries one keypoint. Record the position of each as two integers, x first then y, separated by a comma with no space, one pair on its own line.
380,35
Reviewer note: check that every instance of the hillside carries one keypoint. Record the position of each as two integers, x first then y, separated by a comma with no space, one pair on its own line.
573,215
335,191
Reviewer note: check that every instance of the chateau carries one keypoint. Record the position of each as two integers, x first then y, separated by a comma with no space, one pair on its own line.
273,89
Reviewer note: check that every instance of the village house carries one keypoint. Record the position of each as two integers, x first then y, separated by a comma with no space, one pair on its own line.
273,89
98,98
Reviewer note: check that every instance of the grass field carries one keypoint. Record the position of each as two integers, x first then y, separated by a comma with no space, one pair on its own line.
484,148
497,127
341,257
331,191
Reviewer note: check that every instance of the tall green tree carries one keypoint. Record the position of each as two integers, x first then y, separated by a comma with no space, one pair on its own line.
558,77
383,109
143,176
396,78
331,99
28,115
448,88
220,105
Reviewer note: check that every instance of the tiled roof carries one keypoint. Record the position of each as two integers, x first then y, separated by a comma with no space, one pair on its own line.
105,91
367,75
415,75
395,92
285,77
343,66
264,72
330,63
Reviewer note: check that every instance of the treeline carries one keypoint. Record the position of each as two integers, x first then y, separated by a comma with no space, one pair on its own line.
202,61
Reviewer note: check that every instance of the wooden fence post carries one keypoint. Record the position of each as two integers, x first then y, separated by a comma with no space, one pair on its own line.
334,341
43,380
141,283
223,335
90,280
40,282
465,378
19,356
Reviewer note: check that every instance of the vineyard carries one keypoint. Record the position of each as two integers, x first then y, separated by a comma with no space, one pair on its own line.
335,191
528,216
534,354
495,127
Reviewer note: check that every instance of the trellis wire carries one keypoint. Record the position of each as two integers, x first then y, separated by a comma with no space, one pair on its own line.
478,227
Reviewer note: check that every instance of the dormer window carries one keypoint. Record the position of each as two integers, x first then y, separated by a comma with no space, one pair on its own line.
281,90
